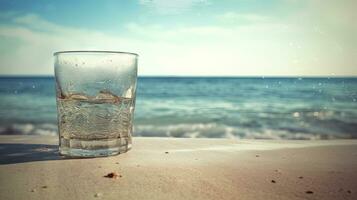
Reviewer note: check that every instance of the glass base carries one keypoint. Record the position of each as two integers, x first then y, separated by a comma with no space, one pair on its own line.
94,148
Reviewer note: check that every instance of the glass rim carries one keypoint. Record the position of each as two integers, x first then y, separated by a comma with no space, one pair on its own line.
113,52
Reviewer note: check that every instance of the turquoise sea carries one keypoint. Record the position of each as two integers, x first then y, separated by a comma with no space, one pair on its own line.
212,107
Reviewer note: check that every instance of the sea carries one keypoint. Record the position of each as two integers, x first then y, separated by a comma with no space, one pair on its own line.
204,107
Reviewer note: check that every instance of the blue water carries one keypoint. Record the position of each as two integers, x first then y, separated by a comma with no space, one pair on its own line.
268,108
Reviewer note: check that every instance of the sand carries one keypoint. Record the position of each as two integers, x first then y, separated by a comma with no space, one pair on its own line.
168,168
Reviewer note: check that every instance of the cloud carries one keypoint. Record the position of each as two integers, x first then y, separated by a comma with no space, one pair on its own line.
267,46
31,41
336,20
34,21
167,7
233,17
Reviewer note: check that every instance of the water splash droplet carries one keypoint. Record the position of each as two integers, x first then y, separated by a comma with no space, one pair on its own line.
296,114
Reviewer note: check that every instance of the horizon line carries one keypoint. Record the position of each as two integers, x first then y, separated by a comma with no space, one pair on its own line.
193,76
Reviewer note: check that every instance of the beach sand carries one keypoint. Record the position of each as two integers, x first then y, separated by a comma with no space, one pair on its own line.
168,168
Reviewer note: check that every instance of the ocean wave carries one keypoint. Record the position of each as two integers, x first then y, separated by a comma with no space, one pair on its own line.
213,130
200,130
29,129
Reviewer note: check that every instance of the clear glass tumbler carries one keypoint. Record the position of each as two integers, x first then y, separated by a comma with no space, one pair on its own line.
95,101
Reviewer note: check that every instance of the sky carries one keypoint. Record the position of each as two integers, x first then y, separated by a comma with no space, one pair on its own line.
186,37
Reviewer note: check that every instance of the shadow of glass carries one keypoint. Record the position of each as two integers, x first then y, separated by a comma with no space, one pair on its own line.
20,153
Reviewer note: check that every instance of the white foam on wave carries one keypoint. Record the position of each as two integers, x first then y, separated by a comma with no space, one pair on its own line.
199,130
29,129
182,130
213,130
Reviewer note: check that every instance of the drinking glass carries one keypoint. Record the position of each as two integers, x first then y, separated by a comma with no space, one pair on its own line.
95,101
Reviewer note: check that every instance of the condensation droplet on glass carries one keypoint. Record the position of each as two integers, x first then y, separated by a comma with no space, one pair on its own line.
70,86
320,84
267,86
33,86
299,78
354,100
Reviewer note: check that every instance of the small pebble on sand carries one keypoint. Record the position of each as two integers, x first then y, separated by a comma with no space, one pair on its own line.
33,190
257,156
98,194
112,175
273,181
45,186
349,191
309,192
301,177
166,152
117,163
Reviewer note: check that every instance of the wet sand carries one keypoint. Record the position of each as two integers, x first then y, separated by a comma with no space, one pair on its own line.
168,168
